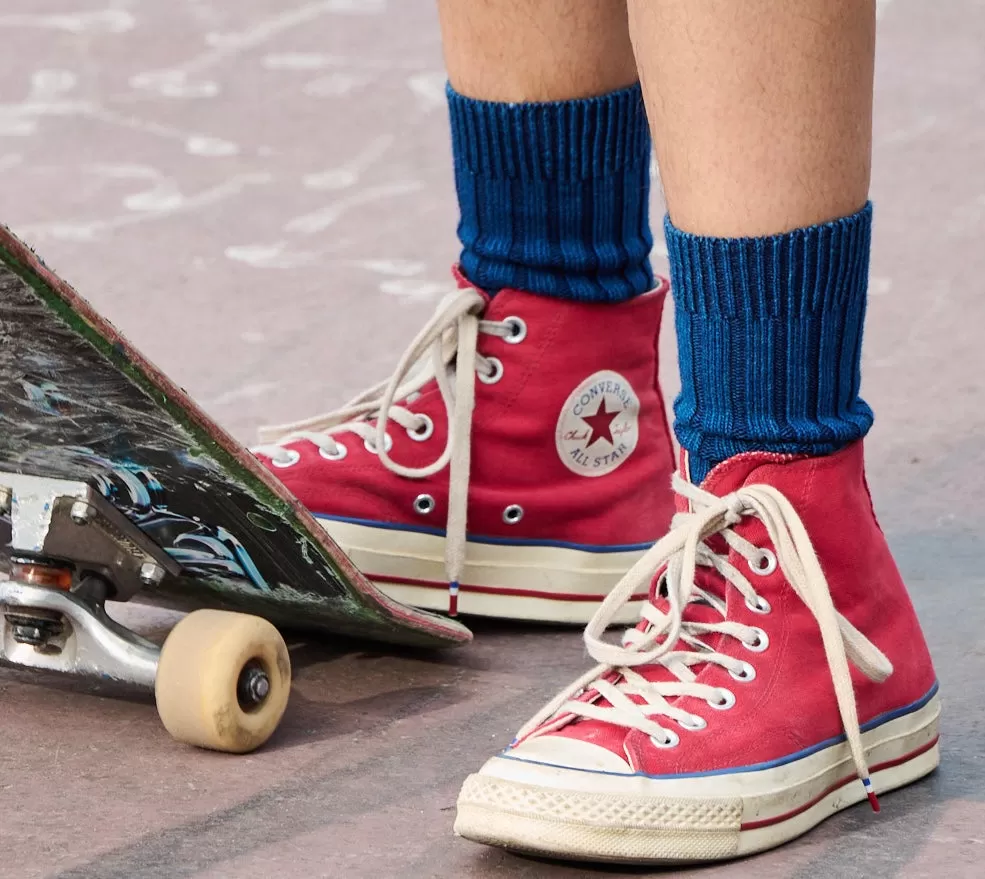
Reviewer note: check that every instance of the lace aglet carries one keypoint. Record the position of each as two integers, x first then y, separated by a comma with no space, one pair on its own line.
871,794
453,598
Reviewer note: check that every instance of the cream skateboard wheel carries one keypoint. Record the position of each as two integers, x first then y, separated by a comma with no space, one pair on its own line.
223,681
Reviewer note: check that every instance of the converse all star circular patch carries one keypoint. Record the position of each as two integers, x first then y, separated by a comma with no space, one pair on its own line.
598,427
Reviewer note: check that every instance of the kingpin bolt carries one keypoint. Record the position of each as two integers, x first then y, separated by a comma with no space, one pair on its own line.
151,573
80,513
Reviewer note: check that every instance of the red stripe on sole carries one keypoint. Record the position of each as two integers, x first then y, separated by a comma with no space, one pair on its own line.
492,590
766,822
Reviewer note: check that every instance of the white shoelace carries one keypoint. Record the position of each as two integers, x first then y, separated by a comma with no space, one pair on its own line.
445,350
683,551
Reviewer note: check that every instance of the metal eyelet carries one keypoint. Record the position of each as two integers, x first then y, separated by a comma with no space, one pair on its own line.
760,644
293,456
518,330
424,431
726,702
495,375
673,740
766,564
761,605
694,723
340,452
512,514
423,504
748,673
387,444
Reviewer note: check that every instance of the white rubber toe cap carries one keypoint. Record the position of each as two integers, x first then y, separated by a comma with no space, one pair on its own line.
568,753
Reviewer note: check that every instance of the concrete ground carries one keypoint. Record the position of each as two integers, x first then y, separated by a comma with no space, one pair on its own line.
259,194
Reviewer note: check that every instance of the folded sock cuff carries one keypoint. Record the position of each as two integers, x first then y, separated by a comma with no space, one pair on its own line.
559,140
806,271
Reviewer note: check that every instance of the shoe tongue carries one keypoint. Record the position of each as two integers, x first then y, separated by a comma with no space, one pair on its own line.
726,477
698,610
610,735
460,279
465,284
731,474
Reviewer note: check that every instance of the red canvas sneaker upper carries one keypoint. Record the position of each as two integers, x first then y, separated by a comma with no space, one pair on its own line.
542,416
767,554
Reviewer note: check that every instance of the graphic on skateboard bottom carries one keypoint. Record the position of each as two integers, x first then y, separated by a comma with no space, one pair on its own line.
115,485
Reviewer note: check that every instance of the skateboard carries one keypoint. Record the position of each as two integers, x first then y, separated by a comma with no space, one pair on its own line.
115,486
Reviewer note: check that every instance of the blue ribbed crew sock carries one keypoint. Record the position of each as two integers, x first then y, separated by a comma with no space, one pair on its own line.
769,333
554,197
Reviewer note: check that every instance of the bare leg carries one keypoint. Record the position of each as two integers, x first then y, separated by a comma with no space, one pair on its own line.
524,50
761,110
762,119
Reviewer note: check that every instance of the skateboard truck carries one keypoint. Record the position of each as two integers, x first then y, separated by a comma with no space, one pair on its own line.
71,550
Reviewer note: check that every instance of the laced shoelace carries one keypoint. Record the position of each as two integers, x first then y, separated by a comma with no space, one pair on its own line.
444,350
636,703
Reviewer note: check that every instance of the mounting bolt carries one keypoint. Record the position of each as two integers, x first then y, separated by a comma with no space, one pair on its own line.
253,687
151,573
80,513
6,496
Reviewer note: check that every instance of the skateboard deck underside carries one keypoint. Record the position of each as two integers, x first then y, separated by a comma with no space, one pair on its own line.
77,401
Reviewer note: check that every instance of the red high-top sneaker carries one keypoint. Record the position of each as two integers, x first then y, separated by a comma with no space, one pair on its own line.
523,458
778,675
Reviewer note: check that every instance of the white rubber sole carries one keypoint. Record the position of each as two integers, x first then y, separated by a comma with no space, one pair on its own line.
542,583
594,816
